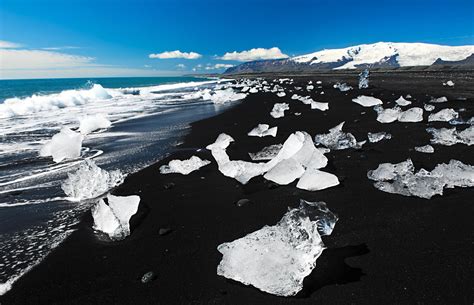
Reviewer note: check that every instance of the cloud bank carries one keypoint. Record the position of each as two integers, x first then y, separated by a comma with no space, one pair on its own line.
175,54
219,66
9,45
255,54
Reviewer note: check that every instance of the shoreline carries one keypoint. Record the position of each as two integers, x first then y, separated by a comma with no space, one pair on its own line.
398,249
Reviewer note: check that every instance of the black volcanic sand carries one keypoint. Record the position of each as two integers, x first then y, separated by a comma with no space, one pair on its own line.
385,249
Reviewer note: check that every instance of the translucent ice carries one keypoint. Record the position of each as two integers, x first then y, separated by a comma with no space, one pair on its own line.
428,149
414,114
451,136
364,79
367,101
183,167
442,99
64,145
93,123
225,95
113,219
342,87
401,178
402,101
378,136
281,94
278,110
387,115
263,130
444,115
276,259
267,153
449,83
429,107
90,181
336,139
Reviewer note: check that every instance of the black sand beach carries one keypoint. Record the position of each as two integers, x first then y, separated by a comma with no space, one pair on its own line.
385,249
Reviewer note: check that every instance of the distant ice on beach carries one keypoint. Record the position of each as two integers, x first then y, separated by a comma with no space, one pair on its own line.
400,178
183,167
276,259
93,123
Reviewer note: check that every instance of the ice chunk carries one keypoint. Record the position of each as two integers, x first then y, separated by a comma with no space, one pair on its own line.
378,136
308,155
429,107
442,99
307,100
336,139
449,83
455,173
309,88
367,101
342,87
402,102
113,219
414,114
281,94
276,259
364,79
267,153
225,95
387,115
253,90
401,179
428,149
315,180
278,110
64,145
183,167
90,181
319,82
263,130
319,106
451,136
285,172
93,123
444,115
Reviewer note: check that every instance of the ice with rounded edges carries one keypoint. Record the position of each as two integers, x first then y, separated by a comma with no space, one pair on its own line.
225,95
113,218
367,101
442,99
452,136
93,123
444,115
263,130
342,87
276,259
183,167
285,172
401,101
378,136
315,180
336,139
66,144
401,178
90,181
278,110
414,114
427,149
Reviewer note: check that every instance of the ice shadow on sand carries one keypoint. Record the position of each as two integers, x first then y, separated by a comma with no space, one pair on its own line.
332,269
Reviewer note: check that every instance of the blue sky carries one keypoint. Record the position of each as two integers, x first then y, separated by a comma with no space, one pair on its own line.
105,37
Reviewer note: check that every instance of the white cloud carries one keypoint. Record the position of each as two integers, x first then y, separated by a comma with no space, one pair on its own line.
254,54
181,66
25,63
218,66
9,45
60,48
175,54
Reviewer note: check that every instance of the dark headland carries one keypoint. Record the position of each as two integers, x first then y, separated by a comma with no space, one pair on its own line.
385,249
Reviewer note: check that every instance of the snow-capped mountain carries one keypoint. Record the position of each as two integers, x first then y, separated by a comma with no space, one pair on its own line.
377,55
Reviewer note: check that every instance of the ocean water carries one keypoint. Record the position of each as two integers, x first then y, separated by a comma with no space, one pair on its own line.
149,117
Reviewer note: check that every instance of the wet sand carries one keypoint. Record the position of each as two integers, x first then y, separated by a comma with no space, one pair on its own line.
385,249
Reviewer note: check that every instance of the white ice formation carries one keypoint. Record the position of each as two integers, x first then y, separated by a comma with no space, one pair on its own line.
401,178
113,218
276,259
451,136
378,136
337,139
367,101
93,123
90,181
278,110
444,115
263,130
183,167
66,144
